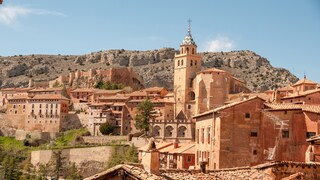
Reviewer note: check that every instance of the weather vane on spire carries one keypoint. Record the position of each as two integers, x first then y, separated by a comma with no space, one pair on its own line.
189,28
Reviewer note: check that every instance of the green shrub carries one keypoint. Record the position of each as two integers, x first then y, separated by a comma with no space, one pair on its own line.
106,128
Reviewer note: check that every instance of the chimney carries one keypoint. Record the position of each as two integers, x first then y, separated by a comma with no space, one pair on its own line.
176,144
151,159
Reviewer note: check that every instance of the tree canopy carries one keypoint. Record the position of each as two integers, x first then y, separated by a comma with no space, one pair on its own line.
144,115
108,85
106,128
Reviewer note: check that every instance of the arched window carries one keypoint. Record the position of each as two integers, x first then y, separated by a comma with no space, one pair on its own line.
156,131
168,131
178,62
182,131
195,62
191,62
187,50
192,95
192,50
181,50
181,62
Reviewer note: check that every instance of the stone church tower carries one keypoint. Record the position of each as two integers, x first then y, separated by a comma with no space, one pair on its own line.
186,64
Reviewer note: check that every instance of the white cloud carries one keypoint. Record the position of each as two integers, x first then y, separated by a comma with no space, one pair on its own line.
10,15
220,43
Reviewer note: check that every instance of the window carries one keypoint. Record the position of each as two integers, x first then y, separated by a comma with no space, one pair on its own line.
195,62
208,135
181,62
189,159
202,135
285,133
191,62
247,115
255,152
189,106
309,134
192,50
285,112
198,136
254,134
178,62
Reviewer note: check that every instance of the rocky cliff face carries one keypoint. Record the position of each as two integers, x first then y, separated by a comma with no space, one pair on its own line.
155,67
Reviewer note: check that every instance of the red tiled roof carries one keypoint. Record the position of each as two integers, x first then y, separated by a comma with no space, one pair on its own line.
83,90
103,91
154,89
117,96
46,89
286,88
283,106
158,146
16,97
184,149
227,106
211,70
48,96
138,93
290,106
304,81
301,94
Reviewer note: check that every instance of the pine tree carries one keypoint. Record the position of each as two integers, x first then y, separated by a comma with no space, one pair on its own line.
144,115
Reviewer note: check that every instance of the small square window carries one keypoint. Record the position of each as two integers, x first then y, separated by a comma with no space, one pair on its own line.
310,134
254,134
247,115
255,152
285,134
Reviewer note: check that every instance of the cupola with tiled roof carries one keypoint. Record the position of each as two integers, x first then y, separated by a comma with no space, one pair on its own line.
188,40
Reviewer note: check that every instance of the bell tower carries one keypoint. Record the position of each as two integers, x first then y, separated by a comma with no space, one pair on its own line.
186,64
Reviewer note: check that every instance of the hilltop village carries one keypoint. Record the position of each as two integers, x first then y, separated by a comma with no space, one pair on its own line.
209,126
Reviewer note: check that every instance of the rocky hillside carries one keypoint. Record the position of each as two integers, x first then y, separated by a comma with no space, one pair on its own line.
154,66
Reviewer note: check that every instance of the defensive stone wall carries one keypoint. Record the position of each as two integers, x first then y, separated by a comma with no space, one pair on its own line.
74,155
46,136
103,139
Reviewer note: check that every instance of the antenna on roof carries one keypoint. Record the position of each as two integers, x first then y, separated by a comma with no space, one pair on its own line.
304,76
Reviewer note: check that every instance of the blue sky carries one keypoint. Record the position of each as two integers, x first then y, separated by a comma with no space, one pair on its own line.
286,32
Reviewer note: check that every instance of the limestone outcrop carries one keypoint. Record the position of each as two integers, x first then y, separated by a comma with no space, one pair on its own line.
154,66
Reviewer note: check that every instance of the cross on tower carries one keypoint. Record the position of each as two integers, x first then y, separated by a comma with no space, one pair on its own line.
189,29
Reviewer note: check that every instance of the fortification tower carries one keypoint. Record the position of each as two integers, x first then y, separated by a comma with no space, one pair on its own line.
186,64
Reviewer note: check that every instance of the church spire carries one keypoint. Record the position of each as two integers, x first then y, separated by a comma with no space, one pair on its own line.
188,40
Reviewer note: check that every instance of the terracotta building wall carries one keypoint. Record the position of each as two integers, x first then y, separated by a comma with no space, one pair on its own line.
16,114
295,141
240,134
42,119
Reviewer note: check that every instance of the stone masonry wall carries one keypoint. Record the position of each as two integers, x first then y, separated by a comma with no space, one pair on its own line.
103,139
